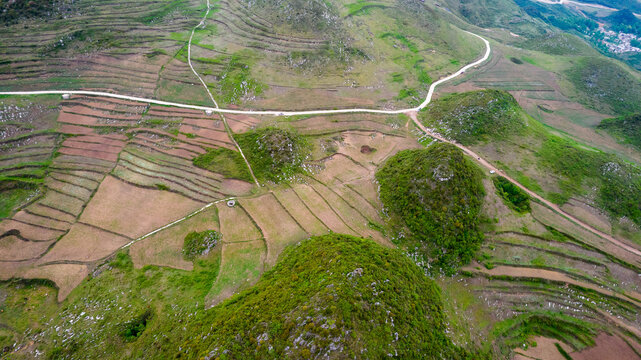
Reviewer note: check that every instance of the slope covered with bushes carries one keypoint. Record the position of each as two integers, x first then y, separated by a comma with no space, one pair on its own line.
275,154
437,194
472,116
334,297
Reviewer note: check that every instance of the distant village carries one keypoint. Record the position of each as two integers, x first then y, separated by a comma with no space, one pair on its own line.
619,43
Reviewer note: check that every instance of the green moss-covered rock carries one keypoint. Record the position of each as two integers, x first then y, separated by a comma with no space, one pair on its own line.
437,193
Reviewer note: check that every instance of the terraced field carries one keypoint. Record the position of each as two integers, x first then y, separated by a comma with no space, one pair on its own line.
87,169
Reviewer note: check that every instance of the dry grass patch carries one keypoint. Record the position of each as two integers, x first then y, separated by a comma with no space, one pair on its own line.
165,247
322,210
508,220
544,349
289,200
588,214
241,266
385,145
278,227
341,169
84,243
549,218
62,202
348,213
236,225
134,211
26,217
607,347
65,276
13,248
30,232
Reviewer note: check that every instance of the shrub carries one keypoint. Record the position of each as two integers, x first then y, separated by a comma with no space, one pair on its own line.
134,328
200,243
437,193
514,196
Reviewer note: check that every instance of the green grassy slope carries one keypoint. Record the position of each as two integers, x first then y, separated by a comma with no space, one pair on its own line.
567,167
626,129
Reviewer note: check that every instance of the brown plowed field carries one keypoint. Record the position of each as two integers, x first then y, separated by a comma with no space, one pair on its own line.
165,247
278,227
84,243
236,225
290,201
29,231
14,249
134,211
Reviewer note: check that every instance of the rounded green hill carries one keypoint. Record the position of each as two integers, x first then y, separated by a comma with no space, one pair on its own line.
335,297
437,193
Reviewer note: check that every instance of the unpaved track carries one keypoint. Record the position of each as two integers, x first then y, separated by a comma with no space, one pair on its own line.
227,128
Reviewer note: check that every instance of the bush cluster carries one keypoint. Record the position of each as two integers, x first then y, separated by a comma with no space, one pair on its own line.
200,243
514,196
275,154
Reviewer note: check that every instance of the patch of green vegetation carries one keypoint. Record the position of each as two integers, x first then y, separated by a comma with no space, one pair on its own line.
562,351
603,85
226,162
625,129
514,196
336,292
235,81
81,41
362,7
519,330
13,195
161,12
156,52
403,40
516,60
160,186
497,14
437,194
133,329
618,182
200,243
275,154
474,116
106,312
300,16
329,55
13,11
